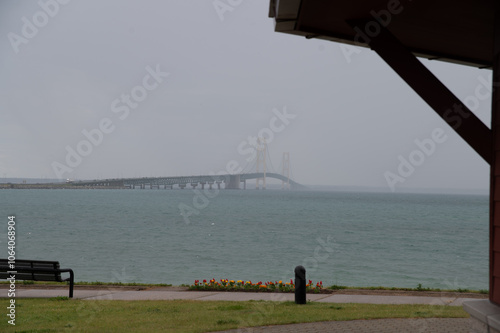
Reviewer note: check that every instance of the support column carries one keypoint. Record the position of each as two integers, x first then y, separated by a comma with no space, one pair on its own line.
233,182
484,314
484,141
495,173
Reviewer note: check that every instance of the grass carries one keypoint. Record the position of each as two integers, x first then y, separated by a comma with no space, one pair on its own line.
61,314
418,288
333,287
98,283
94,283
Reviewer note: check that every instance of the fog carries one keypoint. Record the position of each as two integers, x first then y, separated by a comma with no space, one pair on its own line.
126,88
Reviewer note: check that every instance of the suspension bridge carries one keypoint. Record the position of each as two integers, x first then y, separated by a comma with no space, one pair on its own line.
259,172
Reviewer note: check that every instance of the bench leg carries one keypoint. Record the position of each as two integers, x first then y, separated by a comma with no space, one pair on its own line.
71,283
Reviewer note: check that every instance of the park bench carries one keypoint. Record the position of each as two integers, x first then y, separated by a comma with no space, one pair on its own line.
37,270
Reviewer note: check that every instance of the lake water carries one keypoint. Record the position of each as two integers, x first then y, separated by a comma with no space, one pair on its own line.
355,239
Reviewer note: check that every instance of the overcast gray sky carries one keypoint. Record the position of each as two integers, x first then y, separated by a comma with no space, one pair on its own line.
201,83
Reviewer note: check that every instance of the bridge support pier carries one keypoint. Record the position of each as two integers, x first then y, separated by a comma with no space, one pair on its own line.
202,185
218,184
210,185
245,184
233,183
182,186
194,185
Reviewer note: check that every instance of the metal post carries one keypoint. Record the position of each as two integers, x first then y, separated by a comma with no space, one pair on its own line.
300,285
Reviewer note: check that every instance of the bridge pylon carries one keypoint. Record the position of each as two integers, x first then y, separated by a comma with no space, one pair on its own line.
261,161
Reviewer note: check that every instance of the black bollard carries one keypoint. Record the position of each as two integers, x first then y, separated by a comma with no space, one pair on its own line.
300,285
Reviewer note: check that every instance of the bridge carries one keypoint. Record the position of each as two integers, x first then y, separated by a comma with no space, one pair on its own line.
230,181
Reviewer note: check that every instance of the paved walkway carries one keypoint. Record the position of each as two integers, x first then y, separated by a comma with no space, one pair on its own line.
431,325
166,293
455,325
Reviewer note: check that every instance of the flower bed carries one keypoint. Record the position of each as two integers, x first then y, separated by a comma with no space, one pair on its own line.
240,285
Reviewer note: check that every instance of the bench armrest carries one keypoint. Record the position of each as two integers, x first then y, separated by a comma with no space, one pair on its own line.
71,279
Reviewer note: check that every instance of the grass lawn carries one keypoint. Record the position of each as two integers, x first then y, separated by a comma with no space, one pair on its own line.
68,315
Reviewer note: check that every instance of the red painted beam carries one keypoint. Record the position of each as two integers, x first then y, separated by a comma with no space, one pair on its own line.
484,141
495,172
428,86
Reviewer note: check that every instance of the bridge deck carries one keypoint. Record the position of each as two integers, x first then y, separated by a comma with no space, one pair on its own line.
183,181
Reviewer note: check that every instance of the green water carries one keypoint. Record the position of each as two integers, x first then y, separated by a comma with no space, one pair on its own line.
356,239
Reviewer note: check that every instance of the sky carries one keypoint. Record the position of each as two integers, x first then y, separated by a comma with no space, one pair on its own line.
111,89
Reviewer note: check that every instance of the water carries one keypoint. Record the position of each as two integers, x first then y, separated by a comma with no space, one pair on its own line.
355,239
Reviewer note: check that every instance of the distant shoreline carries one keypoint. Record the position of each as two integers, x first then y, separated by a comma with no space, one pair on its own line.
61,186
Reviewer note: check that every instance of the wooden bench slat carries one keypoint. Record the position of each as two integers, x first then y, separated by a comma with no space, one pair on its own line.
37,270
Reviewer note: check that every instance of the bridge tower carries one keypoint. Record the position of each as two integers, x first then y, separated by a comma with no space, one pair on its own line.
261,161
286,171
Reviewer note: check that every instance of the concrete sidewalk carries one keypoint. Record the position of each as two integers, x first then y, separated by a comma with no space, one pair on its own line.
430,325
161,293
455,325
